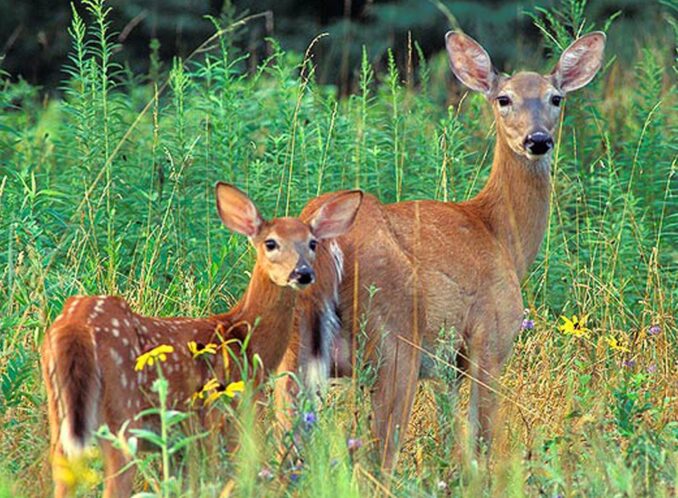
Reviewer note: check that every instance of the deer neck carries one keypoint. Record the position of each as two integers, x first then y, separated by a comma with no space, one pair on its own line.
267,309
515,202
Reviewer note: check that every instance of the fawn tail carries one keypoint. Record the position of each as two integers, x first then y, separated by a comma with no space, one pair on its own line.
76,385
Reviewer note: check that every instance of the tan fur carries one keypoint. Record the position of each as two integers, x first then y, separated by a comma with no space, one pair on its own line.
441,265
89,353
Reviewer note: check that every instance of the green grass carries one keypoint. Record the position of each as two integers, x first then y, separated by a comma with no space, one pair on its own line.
109,190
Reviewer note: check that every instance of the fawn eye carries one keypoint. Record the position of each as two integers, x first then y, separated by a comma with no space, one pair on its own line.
503,101
313,245
270,244
556,100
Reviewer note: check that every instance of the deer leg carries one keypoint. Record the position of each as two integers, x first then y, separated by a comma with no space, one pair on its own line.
485,368
61,489
392,399
483,403
117,482
285,391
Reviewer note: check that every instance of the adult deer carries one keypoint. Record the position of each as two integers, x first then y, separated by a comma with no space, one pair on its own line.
441,265
89,352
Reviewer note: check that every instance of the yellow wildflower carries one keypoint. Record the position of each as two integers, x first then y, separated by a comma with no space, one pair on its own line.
229,391
575,326
158,353
199,349
616,345
75,472
209,386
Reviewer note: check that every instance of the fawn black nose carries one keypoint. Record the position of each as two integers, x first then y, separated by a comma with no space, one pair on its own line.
302,275
538,143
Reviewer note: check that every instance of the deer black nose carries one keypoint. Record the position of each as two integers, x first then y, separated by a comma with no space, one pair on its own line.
538,143
302,275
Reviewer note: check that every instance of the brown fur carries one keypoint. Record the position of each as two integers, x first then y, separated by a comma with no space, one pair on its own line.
441,265
89,353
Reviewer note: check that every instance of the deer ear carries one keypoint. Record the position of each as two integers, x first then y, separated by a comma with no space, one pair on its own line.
336,215
580,62
237,211
470,62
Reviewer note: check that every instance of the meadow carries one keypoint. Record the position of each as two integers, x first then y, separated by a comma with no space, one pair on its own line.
108,188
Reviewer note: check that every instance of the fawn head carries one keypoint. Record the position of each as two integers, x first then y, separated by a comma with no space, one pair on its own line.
526,105
286,247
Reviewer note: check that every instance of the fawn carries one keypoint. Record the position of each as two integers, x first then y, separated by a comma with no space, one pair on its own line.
90,352
444,265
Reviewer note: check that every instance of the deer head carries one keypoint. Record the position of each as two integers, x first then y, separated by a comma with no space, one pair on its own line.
526,105
286,247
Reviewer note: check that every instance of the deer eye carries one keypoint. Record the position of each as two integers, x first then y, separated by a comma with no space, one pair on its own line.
270,244
313,245
503,101
556,100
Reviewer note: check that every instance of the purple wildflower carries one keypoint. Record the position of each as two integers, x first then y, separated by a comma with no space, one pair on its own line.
265,474
654,330
652,368
309,419
629,363
354,444
528,324
295,473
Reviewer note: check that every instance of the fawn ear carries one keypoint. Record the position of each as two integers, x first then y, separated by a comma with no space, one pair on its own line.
237,211
580,62
336,215
470,62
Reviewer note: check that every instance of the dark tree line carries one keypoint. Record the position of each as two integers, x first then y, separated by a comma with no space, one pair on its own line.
34,41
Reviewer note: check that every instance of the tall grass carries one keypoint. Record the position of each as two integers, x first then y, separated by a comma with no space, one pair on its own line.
108,189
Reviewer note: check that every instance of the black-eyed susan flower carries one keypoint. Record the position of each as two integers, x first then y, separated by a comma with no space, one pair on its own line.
229,391
198,349
575,326
204,390
158,353
616,345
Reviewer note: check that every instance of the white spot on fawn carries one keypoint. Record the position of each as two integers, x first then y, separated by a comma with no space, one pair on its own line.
115,322
73,305
116,357
116,332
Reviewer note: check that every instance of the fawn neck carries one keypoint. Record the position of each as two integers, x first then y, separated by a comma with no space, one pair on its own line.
269,309
515,202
